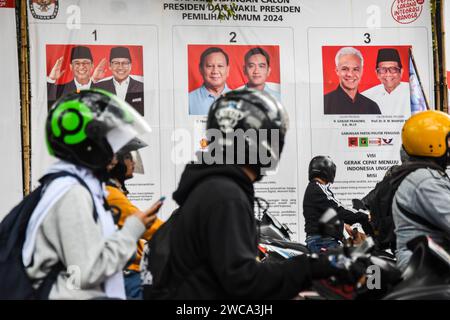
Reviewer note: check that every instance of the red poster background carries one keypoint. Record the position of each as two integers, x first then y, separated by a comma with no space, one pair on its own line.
236,55
7,4
55,51
369,77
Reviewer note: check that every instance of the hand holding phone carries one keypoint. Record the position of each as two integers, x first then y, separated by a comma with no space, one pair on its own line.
148,217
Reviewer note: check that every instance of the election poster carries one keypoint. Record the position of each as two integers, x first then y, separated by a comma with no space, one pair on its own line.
95,66
93,62
362,99
10,129
240,66
340,68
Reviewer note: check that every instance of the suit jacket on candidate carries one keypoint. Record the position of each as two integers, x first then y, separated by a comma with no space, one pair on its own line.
134,96
56,91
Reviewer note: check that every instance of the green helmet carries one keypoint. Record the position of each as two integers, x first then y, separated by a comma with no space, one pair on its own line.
89,126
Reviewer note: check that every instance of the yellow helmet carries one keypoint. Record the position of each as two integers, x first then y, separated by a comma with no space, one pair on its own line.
425,134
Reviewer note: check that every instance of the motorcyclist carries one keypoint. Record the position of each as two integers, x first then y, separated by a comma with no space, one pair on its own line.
214,241
420,205
129,162
71,225
318,198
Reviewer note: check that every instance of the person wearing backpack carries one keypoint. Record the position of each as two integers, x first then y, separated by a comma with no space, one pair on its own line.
420,206
71,225
379,203
127,160
318,198
213,234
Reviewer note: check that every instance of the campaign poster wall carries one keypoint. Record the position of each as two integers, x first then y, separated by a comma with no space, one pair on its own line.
10,135
301,40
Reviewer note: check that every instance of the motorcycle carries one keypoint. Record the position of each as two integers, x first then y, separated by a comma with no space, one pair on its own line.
427,275
275,242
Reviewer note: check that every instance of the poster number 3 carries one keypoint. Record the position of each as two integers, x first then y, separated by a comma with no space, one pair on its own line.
367,38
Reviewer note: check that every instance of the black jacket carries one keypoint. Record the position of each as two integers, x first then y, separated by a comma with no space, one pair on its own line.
339,102
318,198
134,96
214,243
56,91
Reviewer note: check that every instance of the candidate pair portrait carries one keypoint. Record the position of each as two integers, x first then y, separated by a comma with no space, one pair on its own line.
86,75
214,67
391,96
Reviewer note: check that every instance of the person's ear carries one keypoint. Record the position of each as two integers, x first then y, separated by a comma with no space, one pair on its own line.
269,70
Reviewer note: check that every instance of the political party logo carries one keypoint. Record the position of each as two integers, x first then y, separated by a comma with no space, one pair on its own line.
363,142
44,9
374,141
352,141
387,141
406,11
203,143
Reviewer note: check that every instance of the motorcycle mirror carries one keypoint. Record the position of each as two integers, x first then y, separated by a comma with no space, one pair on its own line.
268,220
330,224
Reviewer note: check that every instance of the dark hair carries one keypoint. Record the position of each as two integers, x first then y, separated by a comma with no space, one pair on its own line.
257,50
210,50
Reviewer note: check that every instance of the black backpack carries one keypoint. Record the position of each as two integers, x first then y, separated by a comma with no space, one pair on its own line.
379,202
14,281
156,261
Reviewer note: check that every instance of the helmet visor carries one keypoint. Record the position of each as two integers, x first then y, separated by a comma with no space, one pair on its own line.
124,122
138,164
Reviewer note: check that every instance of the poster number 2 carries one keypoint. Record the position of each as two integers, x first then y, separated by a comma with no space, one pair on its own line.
233,37
367,38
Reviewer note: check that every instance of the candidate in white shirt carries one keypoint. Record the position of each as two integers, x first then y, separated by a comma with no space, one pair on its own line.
82,67
392,95
121,83
257,69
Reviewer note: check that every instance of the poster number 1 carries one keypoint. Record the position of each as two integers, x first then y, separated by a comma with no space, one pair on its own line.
367,38
233,37
95,35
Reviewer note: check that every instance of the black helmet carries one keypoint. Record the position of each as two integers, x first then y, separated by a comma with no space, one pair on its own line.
88,127
322,167
248,126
